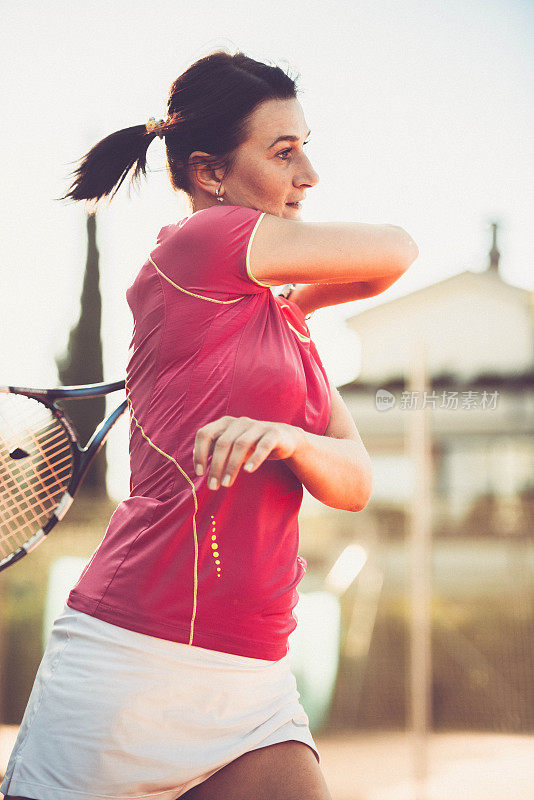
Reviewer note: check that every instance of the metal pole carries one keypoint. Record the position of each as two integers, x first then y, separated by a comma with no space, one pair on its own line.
420,543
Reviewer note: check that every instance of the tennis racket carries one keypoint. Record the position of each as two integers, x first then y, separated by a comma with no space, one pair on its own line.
41,461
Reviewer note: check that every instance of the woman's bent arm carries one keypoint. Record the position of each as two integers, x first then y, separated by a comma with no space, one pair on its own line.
335,471
334,468
290,251
311,296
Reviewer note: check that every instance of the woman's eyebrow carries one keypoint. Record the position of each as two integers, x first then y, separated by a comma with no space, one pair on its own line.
287,137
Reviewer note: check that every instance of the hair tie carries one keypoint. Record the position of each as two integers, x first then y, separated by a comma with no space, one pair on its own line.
152,126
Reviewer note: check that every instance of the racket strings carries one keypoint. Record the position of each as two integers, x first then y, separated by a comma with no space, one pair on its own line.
50,445
30,498
36,464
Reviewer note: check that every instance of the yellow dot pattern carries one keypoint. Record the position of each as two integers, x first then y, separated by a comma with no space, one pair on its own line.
215,546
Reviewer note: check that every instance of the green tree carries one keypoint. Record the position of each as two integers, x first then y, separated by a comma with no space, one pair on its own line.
82,363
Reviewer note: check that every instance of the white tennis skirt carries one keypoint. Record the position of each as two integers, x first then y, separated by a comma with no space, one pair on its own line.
119,714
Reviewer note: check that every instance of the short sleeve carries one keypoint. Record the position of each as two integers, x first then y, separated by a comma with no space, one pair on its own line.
209,251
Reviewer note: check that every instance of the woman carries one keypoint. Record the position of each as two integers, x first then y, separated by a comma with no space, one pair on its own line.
168,675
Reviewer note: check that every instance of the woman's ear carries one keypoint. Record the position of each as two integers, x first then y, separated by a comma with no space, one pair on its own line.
201,173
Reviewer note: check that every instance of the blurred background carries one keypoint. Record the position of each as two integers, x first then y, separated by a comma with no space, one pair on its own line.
414,652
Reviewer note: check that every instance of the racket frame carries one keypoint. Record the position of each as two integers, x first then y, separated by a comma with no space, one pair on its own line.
82,456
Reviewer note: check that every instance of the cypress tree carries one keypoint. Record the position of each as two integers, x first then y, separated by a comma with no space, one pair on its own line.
83,363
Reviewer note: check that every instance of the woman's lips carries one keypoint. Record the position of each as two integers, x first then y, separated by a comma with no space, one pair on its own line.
293,205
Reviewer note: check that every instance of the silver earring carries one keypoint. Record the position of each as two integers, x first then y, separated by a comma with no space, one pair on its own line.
219,198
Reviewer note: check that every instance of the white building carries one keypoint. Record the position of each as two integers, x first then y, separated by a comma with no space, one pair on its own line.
478,332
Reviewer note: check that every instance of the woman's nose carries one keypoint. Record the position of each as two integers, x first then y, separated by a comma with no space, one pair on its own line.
307,176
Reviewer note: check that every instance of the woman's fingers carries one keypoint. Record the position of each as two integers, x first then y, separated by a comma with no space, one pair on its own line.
232,448
235,441
204,438
222,437
250,449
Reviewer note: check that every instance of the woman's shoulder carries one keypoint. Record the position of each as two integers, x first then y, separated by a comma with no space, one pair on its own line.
219,216
214,220
209,250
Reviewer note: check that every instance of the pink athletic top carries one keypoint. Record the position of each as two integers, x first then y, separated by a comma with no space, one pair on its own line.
215,569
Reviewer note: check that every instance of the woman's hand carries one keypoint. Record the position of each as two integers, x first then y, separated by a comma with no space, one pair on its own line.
235,440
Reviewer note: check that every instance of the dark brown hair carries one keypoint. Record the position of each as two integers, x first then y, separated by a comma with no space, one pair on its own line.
207,110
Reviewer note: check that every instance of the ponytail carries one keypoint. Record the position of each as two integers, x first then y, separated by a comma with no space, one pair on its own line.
108,163
208,110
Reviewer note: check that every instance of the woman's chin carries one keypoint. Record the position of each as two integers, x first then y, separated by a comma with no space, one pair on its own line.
291,211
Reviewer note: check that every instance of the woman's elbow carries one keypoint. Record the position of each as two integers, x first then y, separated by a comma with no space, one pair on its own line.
361,503
407,247
365,487
358,507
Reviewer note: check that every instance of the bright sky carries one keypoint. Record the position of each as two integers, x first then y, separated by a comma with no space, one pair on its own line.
421,113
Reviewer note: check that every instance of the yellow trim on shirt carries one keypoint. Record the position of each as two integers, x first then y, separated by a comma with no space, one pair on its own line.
249,273
301,336
188,479
200,296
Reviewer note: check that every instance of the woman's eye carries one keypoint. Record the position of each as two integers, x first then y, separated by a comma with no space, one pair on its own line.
283,154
